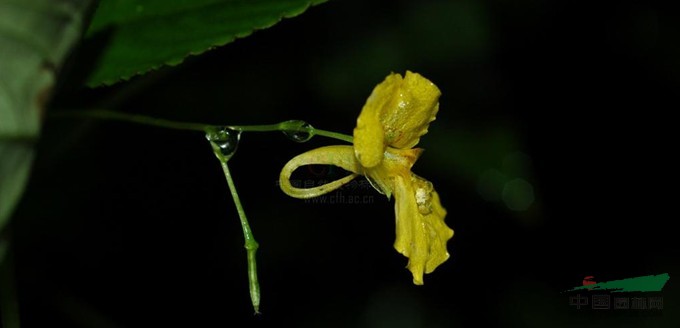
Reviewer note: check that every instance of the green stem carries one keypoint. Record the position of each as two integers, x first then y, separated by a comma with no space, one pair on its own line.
287,126
251,245
133,118
293,126
334,135
256,128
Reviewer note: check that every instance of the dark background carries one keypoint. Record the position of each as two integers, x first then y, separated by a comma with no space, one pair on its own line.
126,225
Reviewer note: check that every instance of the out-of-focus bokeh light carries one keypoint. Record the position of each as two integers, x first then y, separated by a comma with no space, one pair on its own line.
509,184
490,185
518,194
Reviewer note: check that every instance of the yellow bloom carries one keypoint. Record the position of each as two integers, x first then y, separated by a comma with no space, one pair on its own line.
395,116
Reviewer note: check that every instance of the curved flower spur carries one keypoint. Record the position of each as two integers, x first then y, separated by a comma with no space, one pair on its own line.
395,116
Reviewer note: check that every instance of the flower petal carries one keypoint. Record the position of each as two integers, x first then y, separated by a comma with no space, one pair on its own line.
396,114
341,156
421,231
416,105
369,136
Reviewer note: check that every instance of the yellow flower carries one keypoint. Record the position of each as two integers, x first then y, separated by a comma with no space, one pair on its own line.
395,116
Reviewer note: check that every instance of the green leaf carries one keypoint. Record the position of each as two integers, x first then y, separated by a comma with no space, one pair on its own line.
142,35
35,38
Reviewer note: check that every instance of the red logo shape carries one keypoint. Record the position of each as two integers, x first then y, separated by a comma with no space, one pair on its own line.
588,280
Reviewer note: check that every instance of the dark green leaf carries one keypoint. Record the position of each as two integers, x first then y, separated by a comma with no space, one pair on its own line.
142,35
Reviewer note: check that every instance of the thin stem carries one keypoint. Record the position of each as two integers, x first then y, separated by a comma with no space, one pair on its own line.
256,128
293,126
334,135
251,245
287,126
134,118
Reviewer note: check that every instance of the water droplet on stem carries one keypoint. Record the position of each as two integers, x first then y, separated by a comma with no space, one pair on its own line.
224,141
298,130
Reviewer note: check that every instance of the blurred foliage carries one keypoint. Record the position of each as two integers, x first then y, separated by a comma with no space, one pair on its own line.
35,38
126,225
